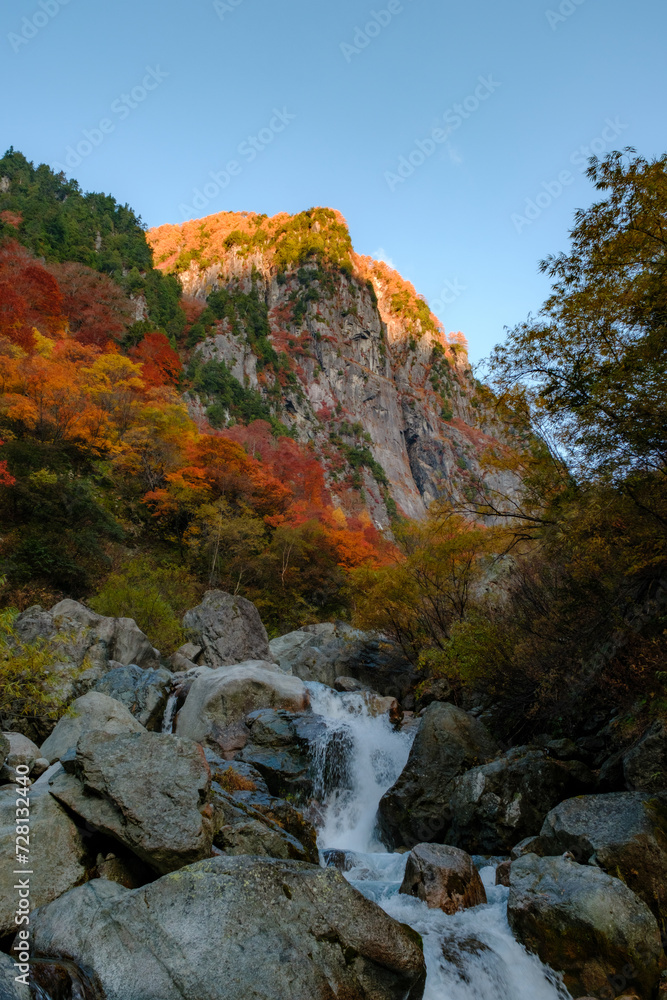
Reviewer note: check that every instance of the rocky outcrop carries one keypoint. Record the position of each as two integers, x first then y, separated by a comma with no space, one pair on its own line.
495,805
586,925
363,349
143,692
448,743
84,645
623,833
228,629
222,697
325,652
59,853
146,790
233,928
93,712
443,877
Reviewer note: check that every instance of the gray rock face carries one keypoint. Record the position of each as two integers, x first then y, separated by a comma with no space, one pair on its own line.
75,634
17,749
219,698
645,764
231,929
586,925
280,748
228,629
58,853
143,692
495,805
416,809
146,790
443,877
623,833
93,712
324,652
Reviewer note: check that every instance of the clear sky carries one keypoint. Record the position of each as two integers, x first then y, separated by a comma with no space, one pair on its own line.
321,103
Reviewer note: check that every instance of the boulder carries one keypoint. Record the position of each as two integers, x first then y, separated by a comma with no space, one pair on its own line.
93,712
623,833
249,794
348,685
240,828
495,805
280,746
19,750
146,790
59,852
416,808
645,764
443,877
234,928
9,988
75,634
228,630
219,698
143,692
4,749
324,652
586,925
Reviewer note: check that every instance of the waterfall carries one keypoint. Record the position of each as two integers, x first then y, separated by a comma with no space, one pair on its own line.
169,713
469,956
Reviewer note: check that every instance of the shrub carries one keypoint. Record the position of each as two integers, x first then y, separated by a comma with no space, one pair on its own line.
156,597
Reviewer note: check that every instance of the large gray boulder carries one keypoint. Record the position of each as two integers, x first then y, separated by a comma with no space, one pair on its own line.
623,833
443,877
416,808
231,929
496,805
84,644
228,629
146,790
586,925
219,698
93,712
324,652
59,853
645,764
143,692
280,746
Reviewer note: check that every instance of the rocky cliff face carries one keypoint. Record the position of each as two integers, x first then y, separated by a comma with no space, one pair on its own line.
364,371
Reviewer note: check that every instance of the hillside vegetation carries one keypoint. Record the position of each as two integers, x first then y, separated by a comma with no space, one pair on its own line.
139,469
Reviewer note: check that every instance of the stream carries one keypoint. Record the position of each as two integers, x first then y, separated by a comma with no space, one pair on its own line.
469,956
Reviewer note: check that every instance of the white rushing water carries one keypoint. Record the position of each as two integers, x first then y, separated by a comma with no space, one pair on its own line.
469,956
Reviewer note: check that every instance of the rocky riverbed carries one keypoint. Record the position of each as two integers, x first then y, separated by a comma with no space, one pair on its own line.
283,820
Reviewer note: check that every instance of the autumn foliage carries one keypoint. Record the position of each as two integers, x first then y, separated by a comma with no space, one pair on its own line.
246,509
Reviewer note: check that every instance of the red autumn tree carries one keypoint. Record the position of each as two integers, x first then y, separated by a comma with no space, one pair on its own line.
162,365
95,306
29,296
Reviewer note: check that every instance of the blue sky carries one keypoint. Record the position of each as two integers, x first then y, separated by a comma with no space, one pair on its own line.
332,99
